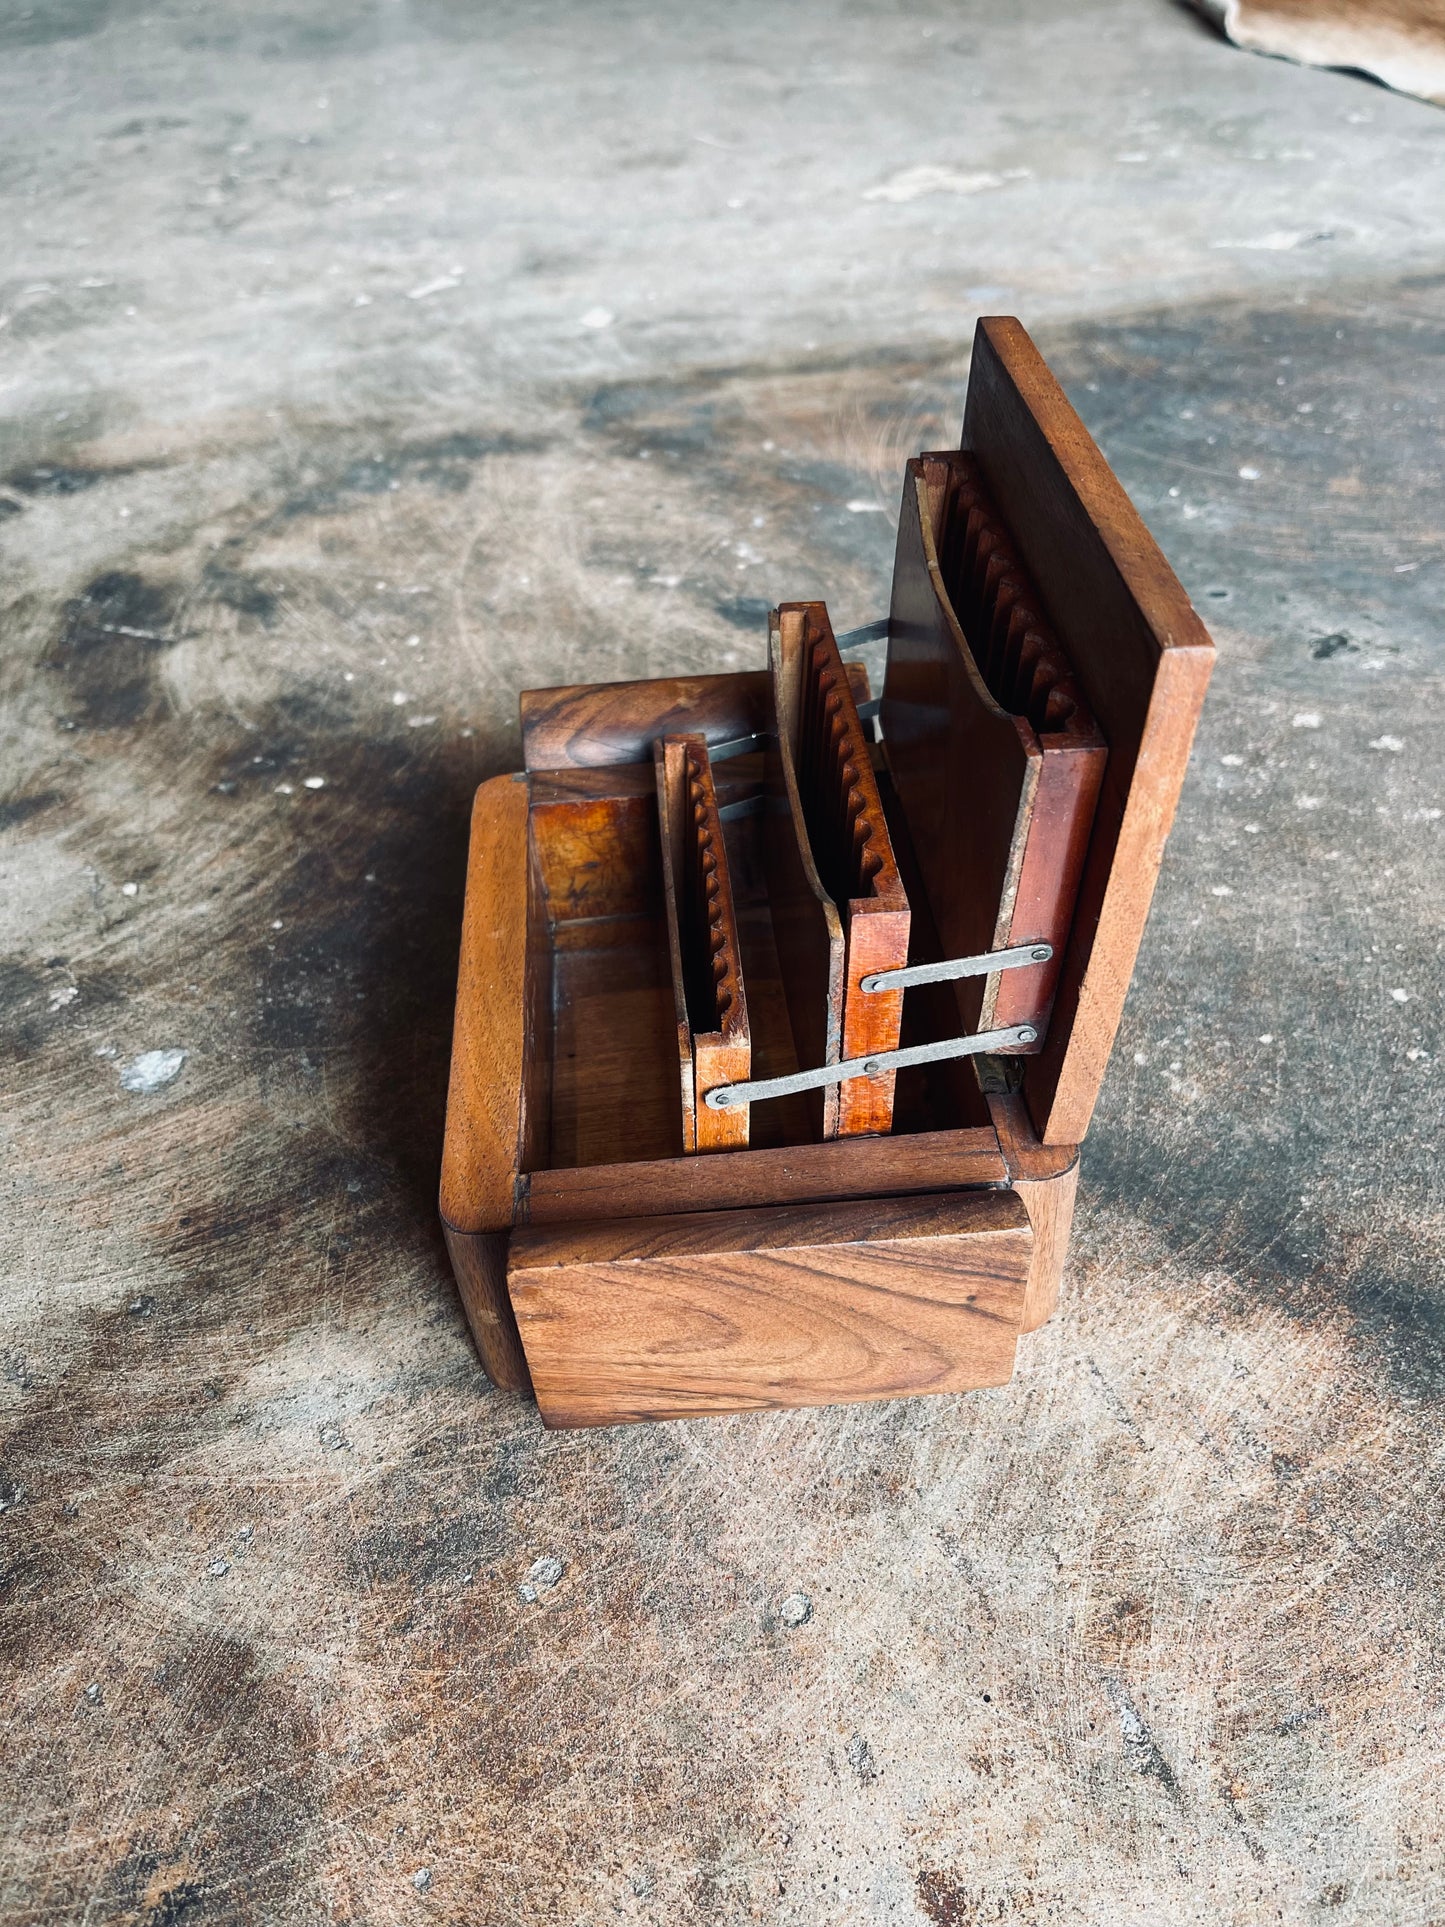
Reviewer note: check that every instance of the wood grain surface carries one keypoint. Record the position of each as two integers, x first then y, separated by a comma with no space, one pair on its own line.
726,1311
709,995
590,725
1144,659
485,1102
851,848
807,924
966,770
777,1174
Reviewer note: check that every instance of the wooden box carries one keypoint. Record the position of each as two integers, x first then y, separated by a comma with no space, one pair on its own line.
630,1253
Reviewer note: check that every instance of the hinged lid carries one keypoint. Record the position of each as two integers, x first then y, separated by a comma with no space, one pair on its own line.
1142,659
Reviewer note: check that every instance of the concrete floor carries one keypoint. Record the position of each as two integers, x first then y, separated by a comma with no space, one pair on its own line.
364,365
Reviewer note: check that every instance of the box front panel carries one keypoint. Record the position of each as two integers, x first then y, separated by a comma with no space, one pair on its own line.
750,1310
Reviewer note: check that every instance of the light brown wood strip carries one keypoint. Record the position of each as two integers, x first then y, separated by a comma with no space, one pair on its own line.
853,854
807,924
703,944
482,1150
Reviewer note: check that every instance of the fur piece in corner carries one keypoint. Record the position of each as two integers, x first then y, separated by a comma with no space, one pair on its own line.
1401,42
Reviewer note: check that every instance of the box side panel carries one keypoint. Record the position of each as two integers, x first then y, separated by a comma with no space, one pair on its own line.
485,1127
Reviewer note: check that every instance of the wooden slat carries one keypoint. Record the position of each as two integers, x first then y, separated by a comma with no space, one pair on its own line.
1143,659
841,1168
852,851
807,925
496,1100
726,1311
709,997
482,1152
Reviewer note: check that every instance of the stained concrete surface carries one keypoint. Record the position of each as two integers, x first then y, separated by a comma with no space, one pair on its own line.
364,365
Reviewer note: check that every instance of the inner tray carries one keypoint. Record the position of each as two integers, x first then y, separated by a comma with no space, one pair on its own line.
600,976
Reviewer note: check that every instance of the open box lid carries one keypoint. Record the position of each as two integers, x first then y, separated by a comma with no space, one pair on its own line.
1143,658
1136,646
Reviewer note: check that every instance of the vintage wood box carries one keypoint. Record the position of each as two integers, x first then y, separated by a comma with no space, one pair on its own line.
661,1194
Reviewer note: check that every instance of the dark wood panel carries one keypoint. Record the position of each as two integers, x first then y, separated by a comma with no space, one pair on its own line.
966,772
1143,658
743,1310
1006,628
614,1052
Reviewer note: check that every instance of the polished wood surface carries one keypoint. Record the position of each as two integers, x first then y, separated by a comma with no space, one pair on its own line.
1008,633
595,834
1143,659
596,724
727,1311
709,997
851,850
488,1113
482,1153
788,1174
966,771
807,924
479,1264
618,722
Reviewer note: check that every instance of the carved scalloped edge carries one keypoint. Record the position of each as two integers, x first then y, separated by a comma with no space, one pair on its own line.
1019,655
835,757
706,840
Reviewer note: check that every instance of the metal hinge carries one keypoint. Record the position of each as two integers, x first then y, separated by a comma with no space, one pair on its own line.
983,965
723,1097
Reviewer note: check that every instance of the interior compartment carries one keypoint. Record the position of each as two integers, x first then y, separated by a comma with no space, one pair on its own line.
600,968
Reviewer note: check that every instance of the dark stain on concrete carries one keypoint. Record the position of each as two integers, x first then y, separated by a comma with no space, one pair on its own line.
20,809
47,478
241,592
443,462
746,612
58,20
24,992
108,650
